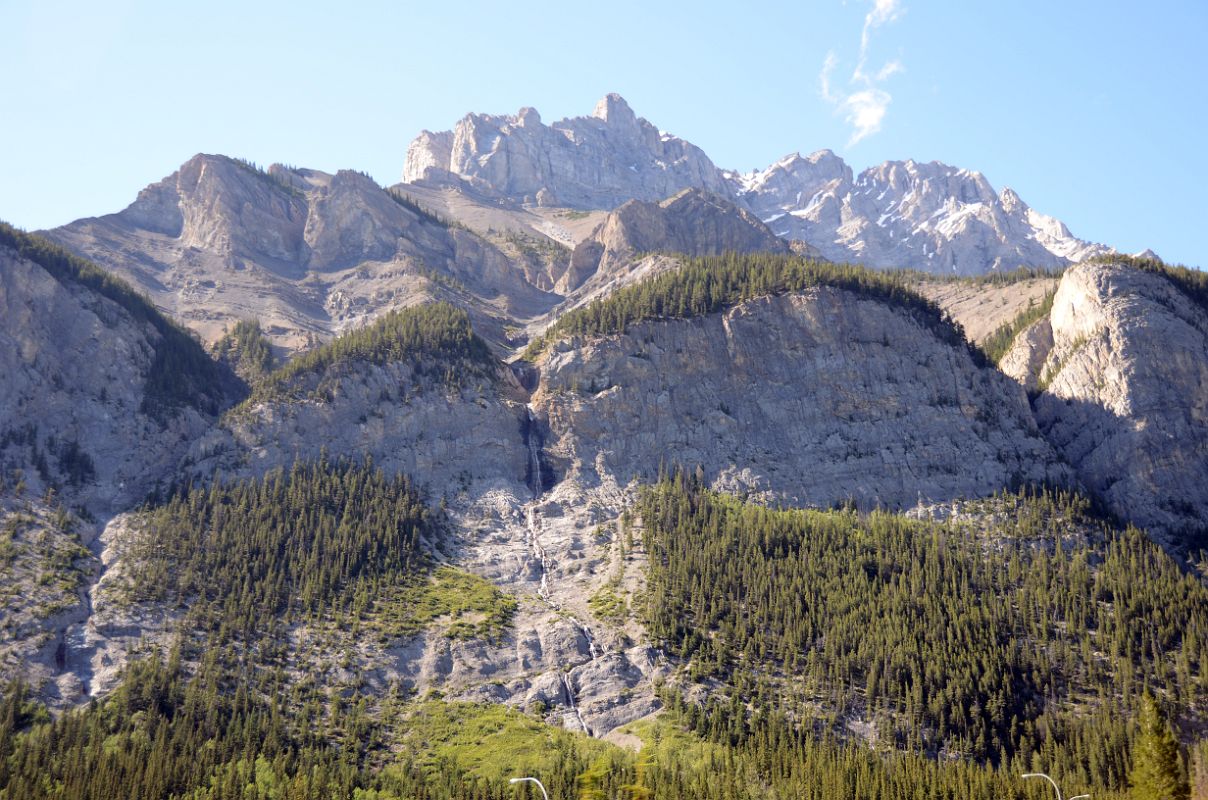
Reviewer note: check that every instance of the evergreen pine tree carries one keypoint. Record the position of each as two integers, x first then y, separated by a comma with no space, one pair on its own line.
1156,773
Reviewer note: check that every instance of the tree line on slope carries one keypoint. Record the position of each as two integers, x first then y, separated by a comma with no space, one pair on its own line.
769,754
220,719
246,350
1001,647
214,731
246,557
710,284
423,212
220,733
999,342
436,339
181,372
1192,282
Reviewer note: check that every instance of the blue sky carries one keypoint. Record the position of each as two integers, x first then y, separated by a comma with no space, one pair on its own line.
1093,112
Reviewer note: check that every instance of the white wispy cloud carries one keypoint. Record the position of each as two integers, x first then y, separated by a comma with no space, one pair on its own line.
824,77
882,11
865,111
863,103
892,68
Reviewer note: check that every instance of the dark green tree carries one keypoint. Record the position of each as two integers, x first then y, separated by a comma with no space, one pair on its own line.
1156,771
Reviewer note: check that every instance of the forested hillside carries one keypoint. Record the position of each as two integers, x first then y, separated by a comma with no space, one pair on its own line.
841,655
1022,632
246,350
710,284
324,542
436,339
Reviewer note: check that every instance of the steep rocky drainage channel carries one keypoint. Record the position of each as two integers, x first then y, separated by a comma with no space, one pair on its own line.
538,478
75,645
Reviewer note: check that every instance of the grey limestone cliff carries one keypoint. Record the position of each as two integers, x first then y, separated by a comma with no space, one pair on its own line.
74,408
307,253
451,439
591,162
809,398
693,222
1121,371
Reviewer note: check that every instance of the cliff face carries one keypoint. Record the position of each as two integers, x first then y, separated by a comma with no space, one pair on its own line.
1121,364
591,162
307,253
812,398
84,435
74,408
451,440
693,222
926,216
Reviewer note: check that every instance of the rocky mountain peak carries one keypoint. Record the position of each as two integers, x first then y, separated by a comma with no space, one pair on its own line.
933,178
694,222
924,215
613,110
595,162
1010,200
305,252
794,172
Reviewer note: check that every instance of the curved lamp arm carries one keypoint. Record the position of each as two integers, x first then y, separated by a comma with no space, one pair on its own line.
1050,780
532,780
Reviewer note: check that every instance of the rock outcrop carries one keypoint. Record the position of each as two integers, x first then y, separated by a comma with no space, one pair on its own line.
86,431
981,308
74,405
307,253
693,222
809,398
449,439
595,162
930,217
43,571
1121,371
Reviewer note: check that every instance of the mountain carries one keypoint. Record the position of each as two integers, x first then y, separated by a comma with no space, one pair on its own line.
508,218
307,253
814,398
310,255
930,217
102,396
736,484
693,222
101,390
1119,369
583,163
575,457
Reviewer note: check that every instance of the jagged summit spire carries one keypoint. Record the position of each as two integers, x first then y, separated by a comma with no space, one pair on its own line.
613,109
924,214
528,116
588,162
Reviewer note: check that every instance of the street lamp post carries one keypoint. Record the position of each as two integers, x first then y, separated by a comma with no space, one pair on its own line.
1055,787
542,785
